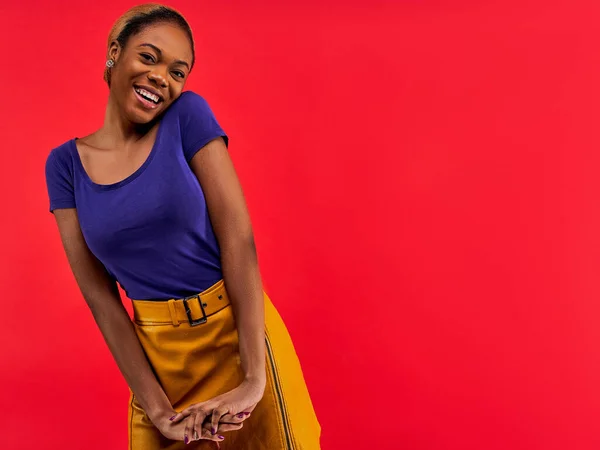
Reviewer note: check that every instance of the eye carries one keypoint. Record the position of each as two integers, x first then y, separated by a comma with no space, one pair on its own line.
179,74
147,57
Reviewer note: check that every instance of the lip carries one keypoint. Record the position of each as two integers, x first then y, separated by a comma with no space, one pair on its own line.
149,89
146,104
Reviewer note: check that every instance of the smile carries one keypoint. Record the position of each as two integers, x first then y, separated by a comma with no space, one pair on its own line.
147,99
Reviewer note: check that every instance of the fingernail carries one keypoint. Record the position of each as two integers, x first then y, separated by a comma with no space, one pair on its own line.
213,431
221,437
171,418
241,415
185,439
247,413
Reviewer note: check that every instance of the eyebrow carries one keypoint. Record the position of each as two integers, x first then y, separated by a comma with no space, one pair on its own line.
157,50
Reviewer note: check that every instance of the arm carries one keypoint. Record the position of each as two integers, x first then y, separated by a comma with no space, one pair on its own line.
231,223
102,296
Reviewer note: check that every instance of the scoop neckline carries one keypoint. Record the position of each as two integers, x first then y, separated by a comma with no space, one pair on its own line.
129,178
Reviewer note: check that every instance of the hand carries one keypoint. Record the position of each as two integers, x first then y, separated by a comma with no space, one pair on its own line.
179,431
238,402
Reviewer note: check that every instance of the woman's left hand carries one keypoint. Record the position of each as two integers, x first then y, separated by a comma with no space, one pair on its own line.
239,402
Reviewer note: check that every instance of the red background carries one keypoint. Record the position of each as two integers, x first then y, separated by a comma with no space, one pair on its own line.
422,180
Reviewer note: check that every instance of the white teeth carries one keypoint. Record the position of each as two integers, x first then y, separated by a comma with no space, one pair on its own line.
148,95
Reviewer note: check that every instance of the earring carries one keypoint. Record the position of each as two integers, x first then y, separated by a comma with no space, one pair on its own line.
110,63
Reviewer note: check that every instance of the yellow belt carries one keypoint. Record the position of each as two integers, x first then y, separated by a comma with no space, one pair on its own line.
194,309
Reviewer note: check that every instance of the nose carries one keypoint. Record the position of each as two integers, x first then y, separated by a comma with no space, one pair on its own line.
158,79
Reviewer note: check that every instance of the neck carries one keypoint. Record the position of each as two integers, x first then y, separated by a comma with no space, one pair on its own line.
118,129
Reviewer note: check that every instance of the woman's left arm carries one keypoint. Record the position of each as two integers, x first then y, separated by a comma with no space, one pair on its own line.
231,223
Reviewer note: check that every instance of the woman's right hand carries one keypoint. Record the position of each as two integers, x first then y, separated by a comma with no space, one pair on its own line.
176,431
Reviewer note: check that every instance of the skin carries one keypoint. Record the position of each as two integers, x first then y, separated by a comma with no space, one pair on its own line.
118,149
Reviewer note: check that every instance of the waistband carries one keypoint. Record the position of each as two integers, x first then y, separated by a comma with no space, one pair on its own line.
194,309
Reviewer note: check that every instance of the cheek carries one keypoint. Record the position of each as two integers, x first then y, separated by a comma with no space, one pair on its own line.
128,69
123,79
176,92
123,90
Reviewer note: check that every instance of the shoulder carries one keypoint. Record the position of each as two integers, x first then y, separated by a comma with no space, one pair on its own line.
190,97
60,159
196,121
62,150
194,112
190,102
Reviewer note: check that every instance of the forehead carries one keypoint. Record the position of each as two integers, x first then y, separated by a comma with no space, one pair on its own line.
171,39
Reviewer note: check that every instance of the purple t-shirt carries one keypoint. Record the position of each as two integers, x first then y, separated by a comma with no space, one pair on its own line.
151,231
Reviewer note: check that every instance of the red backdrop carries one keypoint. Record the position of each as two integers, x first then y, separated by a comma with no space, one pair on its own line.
422,180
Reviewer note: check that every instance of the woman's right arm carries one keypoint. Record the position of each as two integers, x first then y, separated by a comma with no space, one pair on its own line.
102,296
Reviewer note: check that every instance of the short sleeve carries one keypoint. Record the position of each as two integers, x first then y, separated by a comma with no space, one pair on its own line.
59,180
198,124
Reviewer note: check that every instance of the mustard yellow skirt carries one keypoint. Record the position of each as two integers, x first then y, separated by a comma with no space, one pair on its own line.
192,347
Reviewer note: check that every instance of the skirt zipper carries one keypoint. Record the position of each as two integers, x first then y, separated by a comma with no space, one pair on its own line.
279,391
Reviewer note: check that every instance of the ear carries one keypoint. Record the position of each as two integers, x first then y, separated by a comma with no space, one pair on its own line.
114,51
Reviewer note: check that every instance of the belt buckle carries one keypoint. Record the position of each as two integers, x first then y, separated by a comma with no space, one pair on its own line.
199,321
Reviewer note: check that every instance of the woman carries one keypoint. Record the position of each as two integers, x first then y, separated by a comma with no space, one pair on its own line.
151,200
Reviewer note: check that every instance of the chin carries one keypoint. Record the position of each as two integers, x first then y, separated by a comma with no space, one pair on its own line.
142,116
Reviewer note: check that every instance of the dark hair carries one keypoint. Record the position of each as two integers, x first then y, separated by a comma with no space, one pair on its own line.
140,17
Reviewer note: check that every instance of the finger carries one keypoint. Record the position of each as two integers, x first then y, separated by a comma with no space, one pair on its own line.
199,418
225,427
206,434
189,410
188,430
237,418
243,415
197,427
181,415
216,416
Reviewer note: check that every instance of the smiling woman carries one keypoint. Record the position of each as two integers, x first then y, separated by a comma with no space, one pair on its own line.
152,201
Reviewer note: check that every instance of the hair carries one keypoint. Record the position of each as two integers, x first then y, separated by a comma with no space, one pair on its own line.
136,19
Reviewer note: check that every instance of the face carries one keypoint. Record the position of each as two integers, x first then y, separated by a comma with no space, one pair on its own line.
150,72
